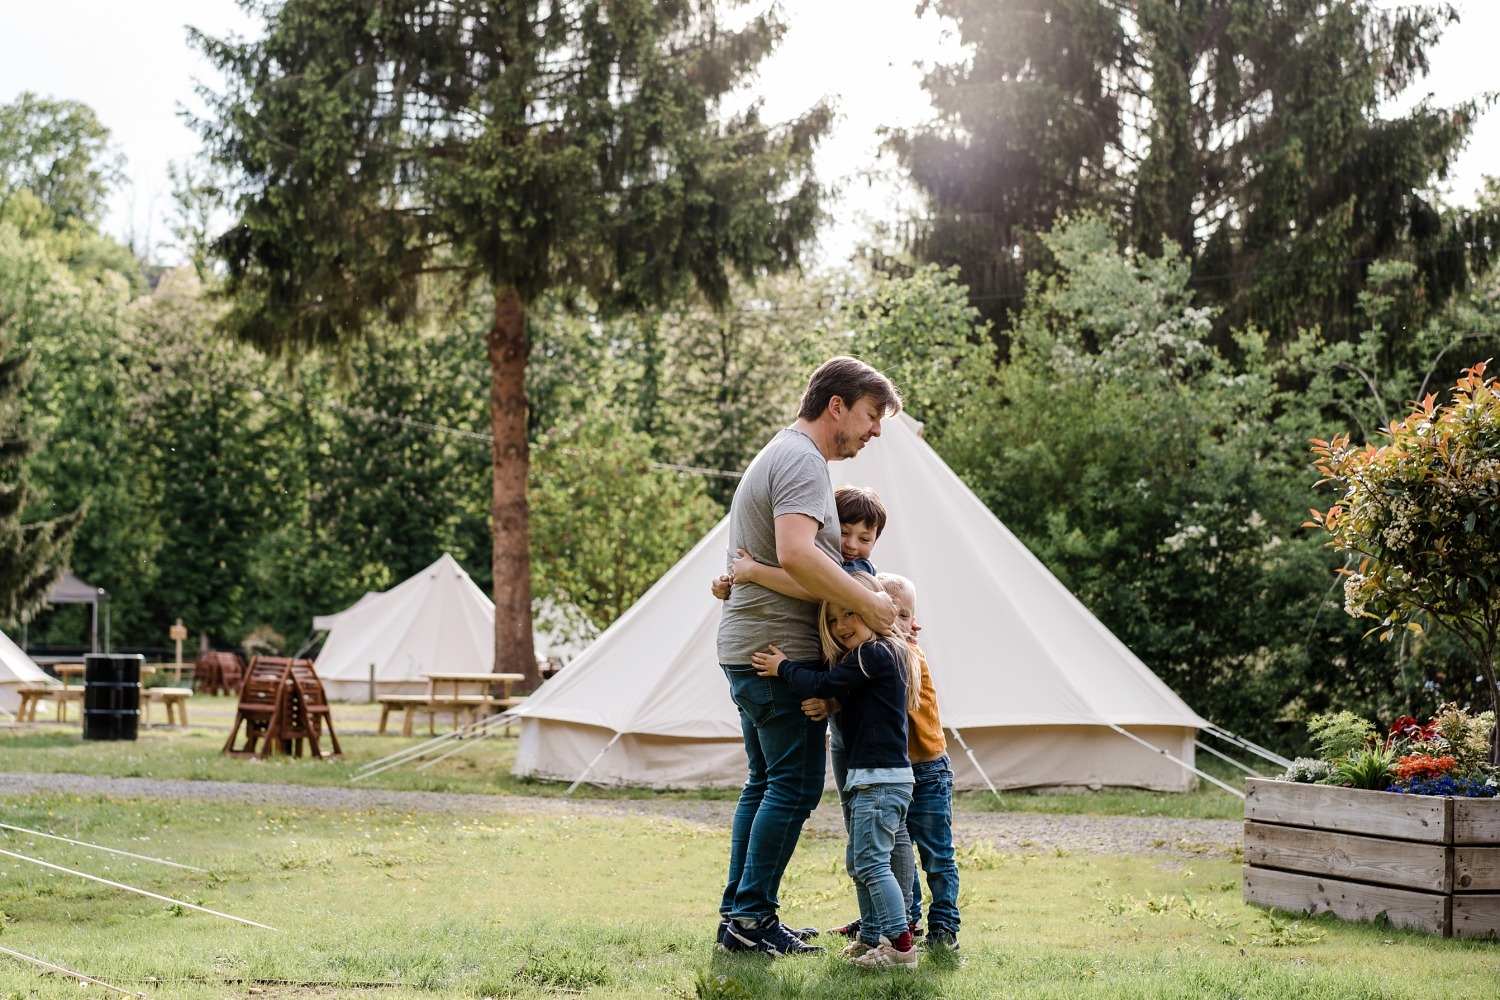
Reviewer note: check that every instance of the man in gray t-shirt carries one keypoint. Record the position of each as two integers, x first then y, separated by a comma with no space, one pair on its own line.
783,514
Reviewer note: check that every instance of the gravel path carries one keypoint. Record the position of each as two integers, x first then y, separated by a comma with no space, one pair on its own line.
1027,833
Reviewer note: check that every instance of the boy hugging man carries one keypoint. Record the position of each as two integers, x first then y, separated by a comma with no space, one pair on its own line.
862,518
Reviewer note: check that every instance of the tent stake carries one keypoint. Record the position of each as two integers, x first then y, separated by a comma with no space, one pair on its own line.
1178,761
596,760
975,761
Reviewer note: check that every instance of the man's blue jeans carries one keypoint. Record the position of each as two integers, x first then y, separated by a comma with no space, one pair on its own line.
876,812
784,749
930,820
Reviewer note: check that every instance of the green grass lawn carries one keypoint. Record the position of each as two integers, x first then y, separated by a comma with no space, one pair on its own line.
382,903
392,904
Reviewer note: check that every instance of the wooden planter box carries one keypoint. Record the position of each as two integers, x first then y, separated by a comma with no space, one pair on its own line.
1425,862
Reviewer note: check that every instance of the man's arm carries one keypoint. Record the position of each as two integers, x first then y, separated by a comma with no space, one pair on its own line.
747,570
810,568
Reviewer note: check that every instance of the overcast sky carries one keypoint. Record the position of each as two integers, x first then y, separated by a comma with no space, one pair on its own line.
130,61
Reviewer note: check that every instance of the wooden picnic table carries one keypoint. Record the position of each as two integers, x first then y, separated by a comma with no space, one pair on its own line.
450,691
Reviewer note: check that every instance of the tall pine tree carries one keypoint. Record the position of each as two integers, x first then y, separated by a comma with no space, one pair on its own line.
515,146
1255,137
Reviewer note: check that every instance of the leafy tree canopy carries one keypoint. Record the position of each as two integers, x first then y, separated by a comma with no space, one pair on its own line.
1249,136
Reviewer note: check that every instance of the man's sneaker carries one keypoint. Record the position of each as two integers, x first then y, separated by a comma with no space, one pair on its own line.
942,939
769,936
805,933
849,930
916,930
887,954
719,938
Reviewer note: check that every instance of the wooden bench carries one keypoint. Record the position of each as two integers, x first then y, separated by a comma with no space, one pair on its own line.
174,699
34,694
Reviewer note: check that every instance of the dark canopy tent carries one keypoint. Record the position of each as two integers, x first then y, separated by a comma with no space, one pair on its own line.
71,590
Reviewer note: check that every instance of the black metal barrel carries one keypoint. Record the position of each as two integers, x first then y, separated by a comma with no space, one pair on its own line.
111,696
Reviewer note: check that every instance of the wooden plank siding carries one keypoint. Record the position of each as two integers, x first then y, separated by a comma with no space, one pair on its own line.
1301,893
1400,863
1424,862
1325,807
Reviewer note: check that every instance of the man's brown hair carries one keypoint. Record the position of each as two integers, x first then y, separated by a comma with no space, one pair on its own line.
851,380
860,505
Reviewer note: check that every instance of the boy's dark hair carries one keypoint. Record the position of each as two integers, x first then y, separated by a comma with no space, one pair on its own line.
851,380
860,505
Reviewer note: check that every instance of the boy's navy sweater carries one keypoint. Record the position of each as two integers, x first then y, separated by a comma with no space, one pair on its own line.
868,684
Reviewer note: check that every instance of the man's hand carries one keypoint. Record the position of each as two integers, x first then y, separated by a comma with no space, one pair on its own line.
880,613
744,567
817,709
721,587
768,664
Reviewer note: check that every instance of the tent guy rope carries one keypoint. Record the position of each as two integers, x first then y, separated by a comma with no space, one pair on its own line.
131,888
98,847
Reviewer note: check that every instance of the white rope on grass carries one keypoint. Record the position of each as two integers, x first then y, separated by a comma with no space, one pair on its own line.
98,847
131,888
68,972
496,722
423,749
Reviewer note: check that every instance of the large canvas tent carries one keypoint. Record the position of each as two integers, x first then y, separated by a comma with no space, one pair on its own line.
16,669
1036,687
438,620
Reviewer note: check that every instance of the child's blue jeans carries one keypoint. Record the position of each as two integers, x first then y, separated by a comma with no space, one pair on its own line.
876,812
930,821
903,860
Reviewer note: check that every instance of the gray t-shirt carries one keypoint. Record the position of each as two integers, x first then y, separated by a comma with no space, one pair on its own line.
789,476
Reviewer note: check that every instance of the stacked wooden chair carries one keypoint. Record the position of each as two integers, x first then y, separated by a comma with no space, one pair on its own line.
282,707
218,673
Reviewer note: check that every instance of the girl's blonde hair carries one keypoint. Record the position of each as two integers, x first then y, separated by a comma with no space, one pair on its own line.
900,648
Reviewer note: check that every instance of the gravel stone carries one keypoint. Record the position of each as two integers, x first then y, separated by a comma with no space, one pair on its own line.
1011,833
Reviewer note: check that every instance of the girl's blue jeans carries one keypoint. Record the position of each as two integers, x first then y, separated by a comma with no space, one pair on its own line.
876,813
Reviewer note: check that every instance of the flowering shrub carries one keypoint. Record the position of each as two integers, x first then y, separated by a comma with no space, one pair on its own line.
1420,765
1420,516
1447,784
1446,756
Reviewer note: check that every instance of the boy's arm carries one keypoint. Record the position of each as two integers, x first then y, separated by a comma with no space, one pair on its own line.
747,570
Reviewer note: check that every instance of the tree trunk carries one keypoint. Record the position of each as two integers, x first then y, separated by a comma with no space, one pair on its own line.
510,524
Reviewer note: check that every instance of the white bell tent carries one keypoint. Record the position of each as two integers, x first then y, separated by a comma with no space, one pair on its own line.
1030,682
438,620
16,670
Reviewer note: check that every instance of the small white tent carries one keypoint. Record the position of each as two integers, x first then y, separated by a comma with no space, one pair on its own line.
438,620
16,669
1036,686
